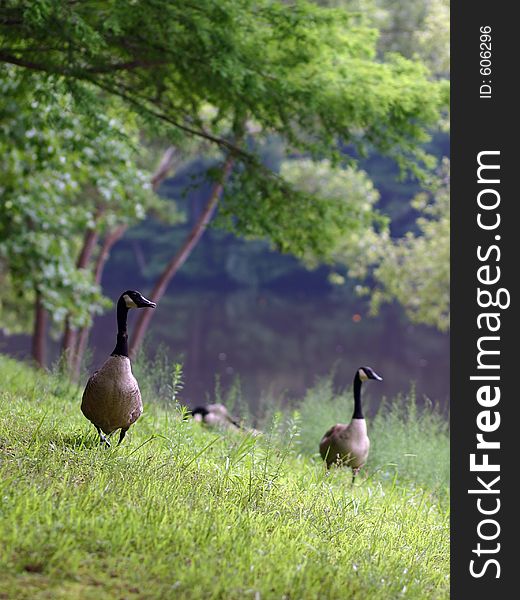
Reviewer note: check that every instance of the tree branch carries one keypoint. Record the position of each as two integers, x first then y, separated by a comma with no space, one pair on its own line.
160,174
181,255
82,75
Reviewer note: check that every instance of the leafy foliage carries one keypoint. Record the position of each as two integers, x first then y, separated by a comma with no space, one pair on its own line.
313,209
224,72
419,29
415,270
303,71
62,172
349,200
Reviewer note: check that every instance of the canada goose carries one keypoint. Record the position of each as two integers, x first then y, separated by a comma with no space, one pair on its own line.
112,399
349,444
215,415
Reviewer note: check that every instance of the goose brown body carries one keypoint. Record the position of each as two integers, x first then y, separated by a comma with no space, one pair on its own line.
217,415
348,444
112,399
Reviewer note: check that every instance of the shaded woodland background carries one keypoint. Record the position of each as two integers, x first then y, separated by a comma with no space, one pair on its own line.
275,175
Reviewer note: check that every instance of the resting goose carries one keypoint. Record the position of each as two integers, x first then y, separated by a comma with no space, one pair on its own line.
349,444
112,399
215,415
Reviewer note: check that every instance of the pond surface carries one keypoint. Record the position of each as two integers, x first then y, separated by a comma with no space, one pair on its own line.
278,343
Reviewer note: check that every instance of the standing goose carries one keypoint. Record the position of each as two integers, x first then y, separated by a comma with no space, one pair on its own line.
112,399
349,444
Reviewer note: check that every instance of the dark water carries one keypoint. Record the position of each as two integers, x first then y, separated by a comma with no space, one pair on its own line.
277,344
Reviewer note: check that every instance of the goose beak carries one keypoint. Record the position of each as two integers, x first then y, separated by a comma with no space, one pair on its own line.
144,303
377,377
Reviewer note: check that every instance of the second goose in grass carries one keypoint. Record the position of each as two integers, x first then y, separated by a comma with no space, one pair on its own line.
215,415
349,444
112,399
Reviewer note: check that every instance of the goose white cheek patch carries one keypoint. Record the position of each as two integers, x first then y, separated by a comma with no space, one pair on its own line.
362,375
129,302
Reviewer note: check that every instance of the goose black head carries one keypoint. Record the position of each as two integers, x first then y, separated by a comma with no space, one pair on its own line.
200,413
366,373
134,299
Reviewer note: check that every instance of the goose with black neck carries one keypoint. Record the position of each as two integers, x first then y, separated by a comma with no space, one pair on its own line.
349,444
112,398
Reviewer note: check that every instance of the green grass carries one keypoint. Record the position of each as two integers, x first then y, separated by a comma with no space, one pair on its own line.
406,443
181,512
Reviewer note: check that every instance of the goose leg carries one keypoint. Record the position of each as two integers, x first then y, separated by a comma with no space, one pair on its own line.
354,473
122,434
102,438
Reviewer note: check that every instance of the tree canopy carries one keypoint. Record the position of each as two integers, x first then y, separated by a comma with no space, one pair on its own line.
334,206
415,269
60,175
84,81
305,72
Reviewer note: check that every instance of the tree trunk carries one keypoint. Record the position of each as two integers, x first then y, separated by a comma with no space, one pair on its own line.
139,256
180,257
70,334
163,169
110,240
39,339
82,337
160,174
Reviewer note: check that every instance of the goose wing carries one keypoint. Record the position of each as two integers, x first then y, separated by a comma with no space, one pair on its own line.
328,448
112,398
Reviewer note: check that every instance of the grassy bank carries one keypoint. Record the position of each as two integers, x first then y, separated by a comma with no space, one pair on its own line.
181,512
